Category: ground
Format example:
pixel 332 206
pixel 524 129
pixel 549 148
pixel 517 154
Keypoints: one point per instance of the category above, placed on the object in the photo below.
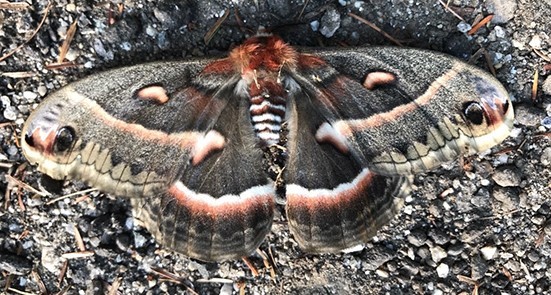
pixel 481 224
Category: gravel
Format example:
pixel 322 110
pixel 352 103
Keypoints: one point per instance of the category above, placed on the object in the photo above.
pixel 486 218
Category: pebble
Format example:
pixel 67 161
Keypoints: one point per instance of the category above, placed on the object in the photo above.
pixel 30 96
pixel 546 85
pixel 227 289
pixel 463 27
pixel 508 198
pixel 139 240
pixel 330 22
pixel 529 116
pixel 507 176
pixel 478 268
pixel 535 42
pixel 503 10
pixel 314 25
pixel 10 113
pixel 456 249
pixel 51 260
pixel 443 270
pixel 440 237
pixel 546 122
pixel 376 257
pixel 101 51
pixel 488 252
pixel 417 238
pixel 194 266
pixel 42 90
pixel 438 253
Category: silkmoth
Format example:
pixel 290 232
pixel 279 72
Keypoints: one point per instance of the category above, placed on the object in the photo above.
pixel 186 141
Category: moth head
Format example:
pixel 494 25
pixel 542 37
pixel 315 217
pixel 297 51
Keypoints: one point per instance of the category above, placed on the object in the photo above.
pixel 50 137
pixel 485 111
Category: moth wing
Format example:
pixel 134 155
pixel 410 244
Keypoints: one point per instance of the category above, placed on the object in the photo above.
pixel 403 111
pixel 332 201
pixel 174 138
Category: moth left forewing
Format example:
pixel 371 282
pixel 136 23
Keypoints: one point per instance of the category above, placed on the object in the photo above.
pixel 404 111
pixel 120 127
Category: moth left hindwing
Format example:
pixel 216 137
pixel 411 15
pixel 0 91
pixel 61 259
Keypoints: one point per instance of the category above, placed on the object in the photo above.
pixel 186 140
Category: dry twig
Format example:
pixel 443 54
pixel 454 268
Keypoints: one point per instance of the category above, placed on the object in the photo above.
pixel 214 29
pixel 31 37
pixel 480 24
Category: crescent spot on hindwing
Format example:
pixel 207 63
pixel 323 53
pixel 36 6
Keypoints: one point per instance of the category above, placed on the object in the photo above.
pixel 188 141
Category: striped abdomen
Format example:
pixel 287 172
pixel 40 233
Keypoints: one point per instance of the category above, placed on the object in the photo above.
pixel 267 113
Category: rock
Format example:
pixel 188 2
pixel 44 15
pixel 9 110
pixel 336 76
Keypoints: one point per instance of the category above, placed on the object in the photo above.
pixel 545 158
pixel 417 237
pixel 443 270
pixel 546 85
pixel 438 253
pixel 51 260
pixel 478 267
pixel 529 116
pixel 503 10
pixel 508 198
pixel 376 257
pixel 535 42
pixel 488 252
pixel 507 176
pixel 330 22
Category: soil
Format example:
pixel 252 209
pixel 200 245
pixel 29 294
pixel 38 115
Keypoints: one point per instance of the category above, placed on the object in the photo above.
pixel 482 224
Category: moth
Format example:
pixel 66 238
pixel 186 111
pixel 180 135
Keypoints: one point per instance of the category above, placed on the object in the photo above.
pixel 187 141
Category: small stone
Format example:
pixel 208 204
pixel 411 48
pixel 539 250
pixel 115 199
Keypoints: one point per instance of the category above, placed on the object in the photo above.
pixel 478 268
pixel 29 96
pixel 42 90
pixel 455 250
pixel 227 289
pixel 71 7
pixel 500 32
pixel 139 240
pixel 101 51
pixel 375 257
pixel 546 85
pixel 546 122
pixel 437 254
pixel 9 113
pixel 417 238
pixel 503 10
pixel 194 266
pixel 51 260
pixel 488 252
pixel 315 25
pixel 508 198
pixel 529 116
pixel 507 176
pixel 535 42
pixel 463 27
pixel 443 270
pixel 330 22
pixel 382 273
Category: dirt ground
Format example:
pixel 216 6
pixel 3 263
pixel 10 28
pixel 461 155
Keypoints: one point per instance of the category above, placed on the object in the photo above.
pixel 482 225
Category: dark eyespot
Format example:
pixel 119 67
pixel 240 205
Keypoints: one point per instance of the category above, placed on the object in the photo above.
pixel 474 112
pixel 506 107
pixel 29 139
pixel 64 139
